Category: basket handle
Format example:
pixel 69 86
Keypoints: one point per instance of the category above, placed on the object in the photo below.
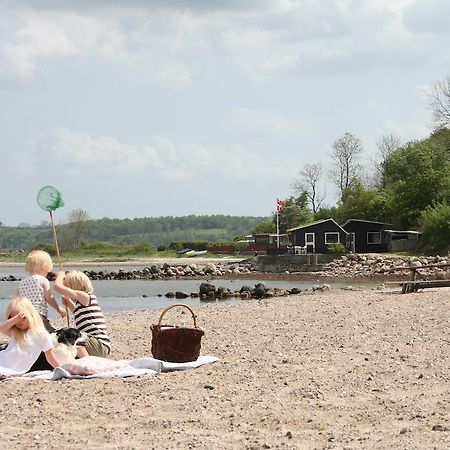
pixel 173 306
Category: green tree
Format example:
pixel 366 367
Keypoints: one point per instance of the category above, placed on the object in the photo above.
pixel 417 175
pixel 267 226
pixel 435 227
pixel 296 212
pixel 361 203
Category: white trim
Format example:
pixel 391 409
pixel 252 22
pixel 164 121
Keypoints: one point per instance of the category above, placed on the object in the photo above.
pixel 312 243
pixel 334 233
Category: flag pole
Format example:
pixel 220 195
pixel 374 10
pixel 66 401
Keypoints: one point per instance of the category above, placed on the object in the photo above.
pixel 278 228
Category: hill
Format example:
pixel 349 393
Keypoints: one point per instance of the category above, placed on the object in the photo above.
pixel 151 230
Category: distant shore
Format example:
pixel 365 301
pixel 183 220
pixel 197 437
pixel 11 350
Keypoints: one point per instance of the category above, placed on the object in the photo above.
pixel 133 261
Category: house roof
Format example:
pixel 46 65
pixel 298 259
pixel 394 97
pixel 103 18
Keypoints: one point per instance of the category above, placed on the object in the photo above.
pixel 269 234
pixel 365 221
pixel 316 223
pixel 402 231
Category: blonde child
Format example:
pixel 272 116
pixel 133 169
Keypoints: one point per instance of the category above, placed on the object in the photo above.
pixel 78 295
pixel 28 338
pixel 36 286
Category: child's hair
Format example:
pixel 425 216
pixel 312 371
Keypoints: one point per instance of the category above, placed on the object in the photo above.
pixel 23 305
pixel 78 281
pixel 38 260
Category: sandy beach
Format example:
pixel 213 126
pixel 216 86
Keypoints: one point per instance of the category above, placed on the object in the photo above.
pixel 337 369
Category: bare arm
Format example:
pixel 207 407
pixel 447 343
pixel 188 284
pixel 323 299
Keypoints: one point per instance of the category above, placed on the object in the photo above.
pixel 68 303
pixel 51 358
pixel 6 326
pixel 72 294
pixel 50 299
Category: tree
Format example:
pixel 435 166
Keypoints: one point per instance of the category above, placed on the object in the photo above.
pixel 265 227
pixel 345 155
pixel 308 183
pixel 439 95
pixel 295 213
pixel 435 225
pixel 79 222
pixel 386 144
pixel 361 203
pixel 417 175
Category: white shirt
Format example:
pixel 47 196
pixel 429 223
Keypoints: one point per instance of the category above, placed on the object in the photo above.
pixel 32 288
pixel 16 360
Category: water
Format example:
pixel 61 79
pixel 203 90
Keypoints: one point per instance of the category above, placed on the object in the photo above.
pixel 119 295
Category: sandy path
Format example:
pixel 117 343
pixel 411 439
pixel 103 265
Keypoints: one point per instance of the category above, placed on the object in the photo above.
pixel 339 369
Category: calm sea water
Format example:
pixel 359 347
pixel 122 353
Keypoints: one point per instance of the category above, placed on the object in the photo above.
pixel 122 295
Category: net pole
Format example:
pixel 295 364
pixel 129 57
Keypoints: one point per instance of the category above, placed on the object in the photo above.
pixel 55 240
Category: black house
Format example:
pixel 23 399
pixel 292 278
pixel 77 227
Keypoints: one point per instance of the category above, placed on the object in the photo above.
pixel 366 236
pixel 317 236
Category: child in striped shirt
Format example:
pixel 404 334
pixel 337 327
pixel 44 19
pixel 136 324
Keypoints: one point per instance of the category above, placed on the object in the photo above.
pixel 78 295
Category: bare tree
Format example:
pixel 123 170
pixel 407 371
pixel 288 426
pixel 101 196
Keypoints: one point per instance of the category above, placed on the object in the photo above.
pixel 345 156
pixel 439 95
pixel 386 144
pixel 78 221
pixel 308 183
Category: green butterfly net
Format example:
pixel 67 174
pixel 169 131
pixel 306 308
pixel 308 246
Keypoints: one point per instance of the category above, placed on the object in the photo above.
pixel 49 198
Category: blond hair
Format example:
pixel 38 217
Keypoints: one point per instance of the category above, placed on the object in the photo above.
pixel 37 261
pixel 78 281
pixel 23 305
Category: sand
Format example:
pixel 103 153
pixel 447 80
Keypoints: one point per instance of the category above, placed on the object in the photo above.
pixel 338 369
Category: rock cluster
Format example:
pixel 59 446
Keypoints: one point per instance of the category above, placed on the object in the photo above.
pixel 367 265
pixel 209 292
pixel 164 271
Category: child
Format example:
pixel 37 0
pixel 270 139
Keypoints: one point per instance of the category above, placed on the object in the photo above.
pixel 78 295
pixel 28 338
pixel 36 286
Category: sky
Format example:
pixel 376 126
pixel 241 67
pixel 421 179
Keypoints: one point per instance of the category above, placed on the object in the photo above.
pixel 168 108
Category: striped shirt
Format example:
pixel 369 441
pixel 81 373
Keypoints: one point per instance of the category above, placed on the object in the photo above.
pixel 90 320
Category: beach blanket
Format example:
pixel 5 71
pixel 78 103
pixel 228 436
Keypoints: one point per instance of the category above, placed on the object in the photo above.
pixel 121 368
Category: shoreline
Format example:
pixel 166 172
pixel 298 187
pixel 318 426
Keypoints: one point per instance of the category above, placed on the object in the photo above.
pixel 132 261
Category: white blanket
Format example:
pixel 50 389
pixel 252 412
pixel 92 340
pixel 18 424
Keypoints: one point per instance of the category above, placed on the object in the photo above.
pixel 125 368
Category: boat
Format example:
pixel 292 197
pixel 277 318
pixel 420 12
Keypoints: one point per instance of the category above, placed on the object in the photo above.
pixel 183 251
pixel 191 253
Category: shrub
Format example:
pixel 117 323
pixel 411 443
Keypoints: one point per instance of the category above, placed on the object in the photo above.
pixel 338 247
pixel 435 222
pixel 49 248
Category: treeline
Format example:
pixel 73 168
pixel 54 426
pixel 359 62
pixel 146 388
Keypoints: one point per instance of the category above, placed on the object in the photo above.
pixel 156 231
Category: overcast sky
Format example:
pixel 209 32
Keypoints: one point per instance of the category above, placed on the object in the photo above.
pixel 170 108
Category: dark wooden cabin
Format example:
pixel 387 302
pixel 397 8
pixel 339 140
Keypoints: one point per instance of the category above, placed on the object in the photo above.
pixel 366 236
pixel 317 236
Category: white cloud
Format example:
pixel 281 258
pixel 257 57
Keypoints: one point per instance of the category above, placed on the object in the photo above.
pixel 162 45
pixel 80 154
pixel 267 121
pixel 428 16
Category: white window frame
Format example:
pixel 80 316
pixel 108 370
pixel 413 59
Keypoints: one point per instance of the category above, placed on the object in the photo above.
pixel 310 240
pixel 332 233
pixel 374 233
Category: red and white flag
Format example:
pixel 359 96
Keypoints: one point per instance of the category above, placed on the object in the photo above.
pixel 280 206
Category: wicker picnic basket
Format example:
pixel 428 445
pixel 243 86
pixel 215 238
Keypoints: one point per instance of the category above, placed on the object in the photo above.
pixel 176 344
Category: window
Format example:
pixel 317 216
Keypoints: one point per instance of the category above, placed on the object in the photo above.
pixel 374 237
pixel 331 238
